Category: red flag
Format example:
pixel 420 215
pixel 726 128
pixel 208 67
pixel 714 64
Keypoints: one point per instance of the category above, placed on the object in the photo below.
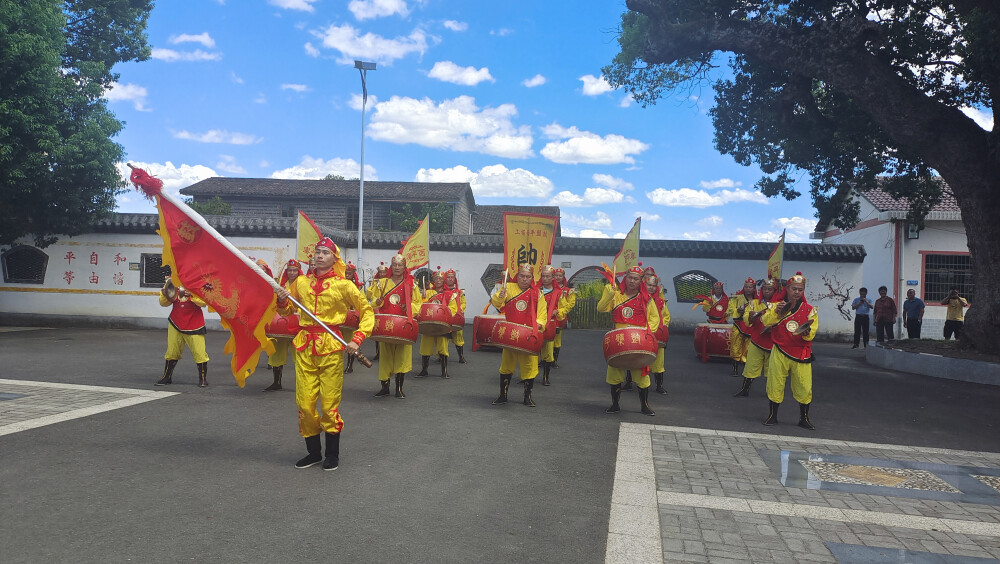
pixel 207 265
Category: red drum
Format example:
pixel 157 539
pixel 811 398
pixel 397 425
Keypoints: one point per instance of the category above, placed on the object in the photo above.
pixel 482 330
pixel 712 339
pixel 630 348
pixel 550 331
pixel 351 324
pixel 395 329
pixel 458 322
pixel 516 337
pixel 663 335
pixel 282 327
pixel 435 320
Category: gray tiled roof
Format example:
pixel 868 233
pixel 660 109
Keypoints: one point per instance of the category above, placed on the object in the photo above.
pixel 225 224
pixel 489 219
pixel 374 189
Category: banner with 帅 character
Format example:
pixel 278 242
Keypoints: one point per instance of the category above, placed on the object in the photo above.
pixel 416 248
pixel 307 235
pixel 628 256
pixel 528 238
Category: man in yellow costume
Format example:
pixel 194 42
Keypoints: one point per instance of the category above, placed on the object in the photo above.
pixel 569 294
pixel 279 358
pixel 556 305
pixel 631 306
pixel 396 295
pixel 656 292
pixel 319 358
pixel 739 335
pixel 457 336
pixel 761 343
pixel 793 324
pixel 520 303
pixel 431 344
pixel 186 328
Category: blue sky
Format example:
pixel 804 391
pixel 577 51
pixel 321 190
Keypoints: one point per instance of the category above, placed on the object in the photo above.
pixel 505 95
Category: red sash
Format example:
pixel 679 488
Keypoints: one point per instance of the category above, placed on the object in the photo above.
pixel 718 312
pixel 738 322
pixel 525 314
pixel 402 307
pixel 631 312
pixel 187 317
pixel 760 338
pixel 793 346
pixel 552 301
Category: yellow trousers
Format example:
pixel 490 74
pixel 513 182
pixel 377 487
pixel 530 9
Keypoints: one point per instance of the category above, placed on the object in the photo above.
pixel 428 345
pixel 280 356
pixel 394 359
pixel 548 352
pixel 176 341
pixel 319 378
pixel 756 362
pixel 458 337
pixel 558 342
pixel 738 345
pixel 617 376
pixel 779 367
pixel 657 365
pixel 509 360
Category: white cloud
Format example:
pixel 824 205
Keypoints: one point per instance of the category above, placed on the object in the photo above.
pixel 626 101
pixel 311 50
pixel 457 125
pixel 227 163
pixel 646 216
pixel 710 221
pixel 743 234
pixel 686 197
pixel 371 9
pixel 567 199
pixel 236 78
pixel 174 178
pixel 356 99
pixel 591 197
pixel 720 183
pixel 799 225
pixel 300 5
pixel 219 136
pixel 697 235
pixel 260 99
pixel 983 119
pixel 590 148
pixel 647 234
pixel 312 168
pixel 448 71
pixel 534 81
pixel 502 32
pixel 494 181
pixel 595 234
pixel 594 86
pixel 612 182
pixel 456 26
pixel 128 93
pixel 352 45
pixel 203 38
pixel 171 56
pixel 600 220
pixel 295 87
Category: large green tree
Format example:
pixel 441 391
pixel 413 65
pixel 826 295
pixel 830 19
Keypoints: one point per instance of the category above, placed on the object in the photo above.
pixel 846 91
pixel 57 159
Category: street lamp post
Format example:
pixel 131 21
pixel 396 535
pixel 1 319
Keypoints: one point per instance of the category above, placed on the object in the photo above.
pixel 363 68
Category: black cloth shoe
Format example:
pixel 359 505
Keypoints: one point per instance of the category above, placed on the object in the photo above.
pixel 424 361
pixel 444 365
pixel 644 402
pixel 399 386
pixel 659 383
pixel 168 373
pixel 202 374
pixel 616 393
pixel 628 381
pixel 745 390
pixel 384 390
pixel 804 421
pixel 461 353
pixel 277 379
pixel 555 357
pixel 546 366
pixel 332 460
pixel 504 384
pixel 772 416
pixel 315 455
pixel 528 385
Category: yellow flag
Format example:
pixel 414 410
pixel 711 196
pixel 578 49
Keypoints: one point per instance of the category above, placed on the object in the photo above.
pixel 416 248
pixel 629 255
pixel 307 235
pixel 528 238
pixel 774 261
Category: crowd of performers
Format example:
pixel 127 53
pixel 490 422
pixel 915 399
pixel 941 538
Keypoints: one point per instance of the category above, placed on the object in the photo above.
pixel 772 334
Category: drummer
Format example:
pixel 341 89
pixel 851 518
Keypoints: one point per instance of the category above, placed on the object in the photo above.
pixel 429 344
pixel 739 335
pixel 717 305
pixel 759 351
pixel 457 336
pixel 279 358
pixel 395 295
pixel 631 306
pixel 656 292
pixel 382 271
pixel 557 308
pixel 793 323
pixel 568 294
pixel 520 303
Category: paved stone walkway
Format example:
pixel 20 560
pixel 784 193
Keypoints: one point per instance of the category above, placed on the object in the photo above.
pixel 699 495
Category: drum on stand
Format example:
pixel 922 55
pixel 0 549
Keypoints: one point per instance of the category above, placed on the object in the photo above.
pixel 395 329
pixel 663 335
pixel 712 339
pixel 458 322
pixel 282 327
pixel 550 331
pixel 435 320
pixel 516 337
pixel 351 324
pixel 482 330
pixel 630 348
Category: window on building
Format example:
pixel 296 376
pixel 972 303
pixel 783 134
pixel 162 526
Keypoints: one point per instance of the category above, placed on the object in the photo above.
pixel 693 283
pixel 152 272
pixel 24 265
pixel 944 272
pixel 351 219
pixel 289 211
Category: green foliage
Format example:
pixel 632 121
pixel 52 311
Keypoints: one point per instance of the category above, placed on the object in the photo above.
pixel 405 217
pixel 334 177
pixel 592 289
pixel 215 206
pixel 57 160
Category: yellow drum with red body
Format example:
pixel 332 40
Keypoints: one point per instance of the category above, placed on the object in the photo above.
pixel 395 329
pixel 630 348
pixel 435 320
pixel 516 337
pixel 712 339
pixel 282 327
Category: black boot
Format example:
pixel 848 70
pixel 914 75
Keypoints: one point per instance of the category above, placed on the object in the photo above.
pixel 555 357
pixel 772 416
pixel 504 384
pixel 735 369
pixel 644 401
pixel 528 385
pixel 546 366
pixel 616 393
pixel 659 383
pixel 315 455
pixel 202 374
pixel 350 364
pixel 424 361
pixel 461 353
pixel 384 390
pixel 332 460
pixel 399 386
pixel 277 370
pixel 745 390
pixel 628 381
pixel 804 421
pixel 444 365
pixel 376 351
pixel 168 373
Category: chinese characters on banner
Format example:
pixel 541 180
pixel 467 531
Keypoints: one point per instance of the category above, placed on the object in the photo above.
pixel 416 247
pixel 528 238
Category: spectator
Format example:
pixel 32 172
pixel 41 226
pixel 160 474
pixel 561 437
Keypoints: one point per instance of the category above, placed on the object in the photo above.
pixel 955 318
pixel 885 316
pixel 913 314
pixel 862 307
